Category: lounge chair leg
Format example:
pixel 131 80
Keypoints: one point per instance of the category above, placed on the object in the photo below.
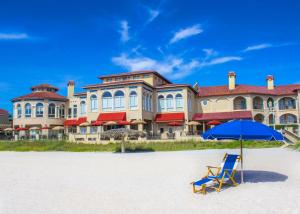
pixel 203 189
pixel 194 189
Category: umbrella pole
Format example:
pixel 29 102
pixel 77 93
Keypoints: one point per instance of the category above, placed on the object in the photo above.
pixel 242 158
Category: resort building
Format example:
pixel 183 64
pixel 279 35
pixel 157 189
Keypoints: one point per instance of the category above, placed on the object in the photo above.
pixel 39 111
pixel 148 102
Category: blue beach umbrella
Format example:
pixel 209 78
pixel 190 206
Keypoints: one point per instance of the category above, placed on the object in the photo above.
pixel 242 130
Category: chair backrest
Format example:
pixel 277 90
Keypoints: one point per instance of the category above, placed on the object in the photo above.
pixel 229 163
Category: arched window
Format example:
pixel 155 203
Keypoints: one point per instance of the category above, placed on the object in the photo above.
pixel 119 100
pixel 259 118
pixel 82 108
pixel 94 102
pixel 51 110
pixel 170 102
pixel 239 103
pixel 258 103
pixel 161 103
pixel 62 111
pixel 133 100
pixel 179 102
pixel 287 103
pixel 106 101
pixel 27 110
pixel 288 119
pixel 39 110
pixel 19 111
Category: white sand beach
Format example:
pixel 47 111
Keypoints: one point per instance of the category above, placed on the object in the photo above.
pixel 154 182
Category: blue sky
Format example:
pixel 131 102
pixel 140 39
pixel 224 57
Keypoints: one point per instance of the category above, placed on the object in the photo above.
pixel 187 41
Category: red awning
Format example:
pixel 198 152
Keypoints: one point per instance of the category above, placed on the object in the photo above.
pixel 116 116
pixel 175 124
pixel 70 122
pixel 124 123
pixel 223 115
pixel 81 120
pixel 169 117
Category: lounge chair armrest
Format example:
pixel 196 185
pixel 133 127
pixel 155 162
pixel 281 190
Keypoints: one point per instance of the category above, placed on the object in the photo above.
pixel 215 167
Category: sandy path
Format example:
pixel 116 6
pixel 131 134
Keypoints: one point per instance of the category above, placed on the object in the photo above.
pixel 55 182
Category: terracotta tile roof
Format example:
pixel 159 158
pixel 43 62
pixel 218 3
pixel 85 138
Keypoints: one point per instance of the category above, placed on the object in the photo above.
pixel 80 94
pixel 41 95
pixel 247 89
pixel 134 73
pixel 115 83
pixel 113 116
pixel 44 86
pixel 223 115
pixel 3 112
pixel 169 117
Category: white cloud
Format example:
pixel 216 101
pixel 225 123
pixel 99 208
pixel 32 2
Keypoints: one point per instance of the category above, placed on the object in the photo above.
pixel 221 60
pixel 186 32
pixel 13 36
pixel 153 14
pixel 171 66
pixel 258 47
pixel 124 31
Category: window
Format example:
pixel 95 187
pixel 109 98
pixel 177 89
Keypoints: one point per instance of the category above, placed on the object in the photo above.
pixel 27 110
pixel 161 103
pixel 189 103
pixel 119 100
pixel 82 108
pixel 51 110
pixel 75 111
pixel 150 104
pixel 94 102
pixel 179 102
pixel 287 103
pixel 82 130
pixel 133 100
pixel 170 102
pixel 62 111
pixel 19 111
pixel 39 110
pixel 93 129
pixel 239 103
pixel 258 103
pixel 70 113
pixel 106 101
pixel 288 119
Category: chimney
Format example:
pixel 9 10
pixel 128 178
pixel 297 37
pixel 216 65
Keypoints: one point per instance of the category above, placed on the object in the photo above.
pixel 71 86
pixel 270 82
pixel 196 86
pixel 231 80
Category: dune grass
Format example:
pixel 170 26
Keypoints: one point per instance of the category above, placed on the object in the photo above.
pixel 297 146
pixel 42 146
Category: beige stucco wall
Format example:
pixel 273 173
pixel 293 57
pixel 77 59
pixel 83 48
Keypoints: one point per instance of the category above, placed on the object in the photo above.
pixel 37 121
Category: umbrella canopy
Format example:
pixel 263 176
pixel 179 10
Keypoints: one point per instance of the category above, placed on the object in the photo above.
pixel 97 123
pixel 138 122
pixel 243 130
pixel 58 128
pixel 110 123
pixel 21 129
pixel 193 123
pixel 8 129
pixel 214 122
pixel 175 124
pixel 34 128
pixel 84 124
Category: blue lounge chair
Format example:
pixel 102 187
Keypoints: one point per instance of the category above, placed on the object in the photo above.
pixel 222 175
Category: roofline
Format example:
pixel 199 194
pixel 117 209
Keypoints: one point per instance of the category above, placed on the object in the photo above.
pixel 178 85
pixel 116 83
pixel 51 99
pixel 132 73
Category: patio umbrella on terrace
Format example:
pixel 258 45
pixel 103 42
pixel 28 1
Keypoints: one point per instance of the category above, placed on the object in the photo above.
pixel 9 130
pixel 213 123
pixel 84 124
pixel 58 128
pixel 243 130
pixel 108 123
pixel 34 128
pixel 138 122
pixel 175 124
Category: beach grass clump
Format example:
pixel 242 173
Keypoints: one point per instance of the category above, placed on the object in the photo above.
pixel 47 145
pixel 297 146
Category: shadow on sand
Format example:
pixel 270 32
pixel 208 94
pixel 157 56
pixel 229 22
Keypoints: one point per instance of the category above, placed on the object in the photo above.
pixel 255 176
